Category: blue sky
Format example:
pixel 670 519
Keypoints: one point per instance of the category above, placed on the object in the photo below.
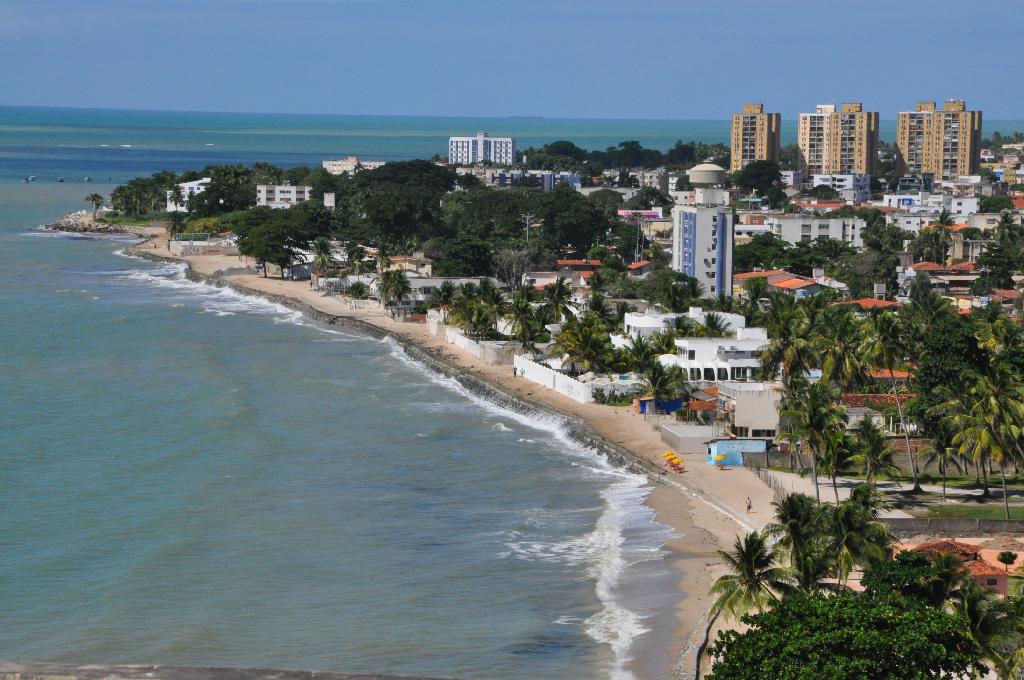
pixel 678 59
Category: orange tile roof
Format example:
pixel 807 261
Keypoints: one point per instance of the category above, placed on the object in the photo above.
pixel 1006 293
pixel 866 399
pixel 983 568
pixel 794 283
pixel 586 275
pixel 638 264
pixel 756 275
pixel 870 303
pixel 946 546
pixel 575 263
pixel 962 267
pixel 697 405
pixel 927 267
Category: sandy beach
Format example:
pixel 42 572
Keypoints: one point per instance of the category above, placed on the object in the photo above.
pixel 704 506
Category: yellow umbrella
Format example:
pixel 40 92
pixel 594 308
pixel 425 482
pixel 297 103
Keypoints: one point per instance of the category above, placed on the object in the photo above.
pixel 720 457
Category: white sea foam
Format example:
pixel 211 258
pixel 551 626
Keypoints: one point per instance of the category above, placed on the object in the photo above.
pixel 602 553
pixel 501 427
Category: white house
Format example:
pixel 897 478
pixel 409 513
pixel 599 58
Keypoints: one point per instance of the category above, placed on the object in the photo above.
pixel 636 325
pixel 800 227
pixel 282 195
pixel 924 202
pixel 187 190
pixel 719 359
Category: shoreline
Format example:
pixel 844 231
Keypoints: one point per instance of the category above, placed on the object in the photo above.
pixel 693 506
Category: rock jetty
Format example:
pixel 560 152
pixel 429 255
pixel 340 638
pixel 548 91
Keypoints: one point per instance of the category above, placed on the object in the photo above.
pixel 81 222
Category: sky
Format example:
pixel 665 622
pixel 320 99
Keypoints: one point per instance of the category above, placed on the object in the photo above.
pixel 670 59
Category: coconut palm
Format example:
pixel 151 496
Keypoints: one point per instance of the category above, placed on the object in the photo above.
pixel 619 313
pixel 990 622
pixel 839 349
pixel 394 287
pixel 857 538
pixel 836 456
pixel 754 580
pixel 443 296
pixel 526 321
pixel 871 451
pixel 885 344
pixel 381 260
pixel 96 201
pixel 354 255
pixel 942 452
pixel 663 383
pixel 323 257
pixel 817 419
pixel 714 326
pixel 798 524
pixel 640 353
pixel 358 291
pixel 585 342
pixel 790 348
pixel 558 294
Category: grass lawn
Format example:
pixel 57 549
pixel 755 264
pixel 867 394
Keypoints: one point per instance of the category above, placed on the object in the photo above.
pixel 991 510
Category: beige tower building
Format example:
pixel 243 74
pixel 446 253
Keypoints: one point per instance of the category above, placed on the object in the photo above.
pixel 838 142
pixel 945 143
pixel 756 136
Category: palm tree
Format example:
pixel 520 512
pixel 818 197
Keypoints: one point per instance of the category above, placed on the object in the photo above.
pixel 381 260
pixel 358 291
pixel 586 343
pixel 755 579
pixel 839 349
pixel 885 344
pixel 817 419
pixel 443 296
pixel 394 287
pixel 558 293
pixel 942 451
pixel 323 258
pixel 640 353
pixel 872 453
pixel 663 383
pixel 943 222
pixel 354 255
pixel 526 323
pixel 798 524
pixel 990 621
pixel 836 456
pixel 857 538
pixel 714 326
pixel 790 349
pixel 754 582
pixel 96 201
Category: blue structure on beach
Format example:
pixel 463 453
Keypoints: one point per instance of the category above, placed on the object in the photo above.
pixel 732 450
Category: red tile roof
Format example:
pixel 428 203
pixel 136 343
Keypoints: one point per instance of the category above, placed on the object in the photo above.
pixel 870 400
pixel 942 547
pixel 927 267
pixel 962 267
pixel 756 275
pixel 870 303
pixel 578 263
pixel 794 283
pixel 639 264
pixel 1006 293
pixel 982 568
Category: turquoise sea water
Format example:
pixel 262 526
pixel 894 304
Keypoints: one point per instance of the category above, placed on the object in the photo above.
pixel 75 143
pixel 193 476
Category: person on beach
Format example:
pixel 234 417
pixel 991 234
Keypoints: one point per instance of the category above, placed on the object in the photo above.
pixel 750 505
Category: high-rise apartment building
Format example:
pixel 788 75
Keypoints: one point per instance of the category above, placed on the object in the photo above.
pixel 838 142
pixel 702 242
pixel 945 144
pixel 756 136
pixel 481 148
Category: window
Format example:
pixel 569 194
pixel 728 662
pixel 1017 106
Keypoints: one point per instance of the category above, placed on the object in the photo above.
pixel 709 374
pixel 691 354
pixel 723 374
pixel 990 582
pixel 694 374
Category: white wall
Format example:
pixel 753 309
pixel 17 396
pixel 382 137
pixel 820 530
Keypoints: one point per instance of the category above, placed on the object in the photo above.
pixel 552 379
pixel 454 337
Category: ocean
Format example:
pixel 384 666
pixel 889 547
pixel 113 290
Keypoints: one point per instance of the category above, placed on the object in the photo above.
pixel 198 477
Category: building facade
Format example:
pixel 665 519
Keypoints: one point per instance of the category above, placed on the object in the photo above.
pixel 838 142
pixel 481 148
pixel 702 245
pixel 851 188
pixel 945 144
pixel 186 190
pixel 797 228
pixel 351 165
pixel 281 196
pixel 756 136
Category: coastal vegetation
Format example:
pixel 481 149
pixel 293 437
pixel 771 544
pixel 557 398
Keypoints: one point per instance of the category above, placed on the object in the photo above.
pixel 917 615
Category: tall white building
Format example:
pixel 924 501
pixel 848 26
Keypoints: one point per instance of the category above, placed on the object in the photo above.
pixel 281 196
pixel 480 148
pixel 799 227
pixel 187 191
pixel 702 241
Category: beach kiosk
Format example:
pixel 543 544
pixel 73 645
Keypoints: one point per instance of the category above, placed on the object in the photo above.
pixel 729 452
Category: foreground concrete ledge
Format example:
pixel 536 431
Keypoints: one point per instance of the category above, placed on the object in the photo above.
pixel 57 671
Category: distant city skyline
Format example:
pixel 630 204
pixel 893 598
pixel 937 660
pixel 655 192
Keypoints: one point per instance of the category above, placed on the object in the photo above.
pixel 652 59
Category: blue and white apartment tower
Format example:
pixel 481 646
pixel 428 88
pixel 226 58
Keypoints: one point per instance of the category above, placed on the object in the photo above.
pixel 702 239
pixel 702 233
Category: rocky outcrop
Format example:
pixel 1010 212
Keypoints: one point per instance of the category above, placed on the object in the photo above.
pixel 82 222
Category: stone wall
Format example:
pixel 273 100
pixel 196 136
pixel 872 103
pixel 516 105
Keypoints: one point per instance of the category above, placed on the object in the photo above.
pixel 905 527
